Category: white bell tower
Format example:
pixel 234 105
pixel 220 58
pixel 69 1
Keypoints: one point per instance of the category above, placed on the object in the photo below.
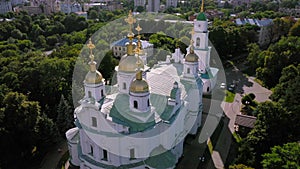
pixel 200 39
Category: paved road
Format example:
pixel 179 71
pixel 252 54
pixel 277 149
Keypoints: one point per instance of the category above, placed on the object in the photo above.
pixel 52 158
pixel 245 85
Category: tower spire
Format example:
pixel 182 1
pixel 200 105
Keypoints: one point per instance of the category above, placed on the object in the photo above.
pixel 202 6
pixel 191 41
pixel 130 20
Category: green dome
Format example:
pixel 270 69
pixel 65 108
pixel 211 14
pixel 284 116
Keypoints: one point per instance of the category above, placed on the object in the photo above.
pixel 201 17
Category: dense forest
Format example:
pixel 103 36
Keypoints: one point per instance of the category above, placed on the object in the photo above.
pixel 273 142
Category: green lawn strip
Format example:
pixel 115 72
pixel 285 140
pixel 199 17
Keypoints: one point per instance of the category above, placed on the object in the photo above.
pixel 229 96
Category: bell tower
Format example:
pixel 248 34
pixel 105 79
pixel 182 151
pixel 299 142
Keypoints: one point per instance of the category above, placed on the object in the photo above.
pixel 200 39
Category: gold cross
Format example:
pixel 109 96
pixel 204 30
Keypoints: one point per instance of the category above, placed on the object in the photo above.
pixel 192 32
pixel 138 29
pixel 91 46
pixel 130 20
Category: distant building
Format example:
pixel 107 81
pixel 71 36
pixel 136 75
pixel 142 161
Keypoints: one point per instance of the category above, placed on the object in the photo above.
pixel 264 34
pixel 104 5
pixel 171 3
pixel 153 5
pixel 295 12
pixel 17 2
pixel 5 6
pixel 70 7
pixel 235 3
pixel 114 5
pixel 139 3
pixel 41 6
pixel 83 14
pixel 32 10
pixel 119 47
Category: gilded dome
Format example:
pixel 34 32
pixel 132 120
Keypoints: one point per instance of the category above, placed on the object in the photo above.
pixel 191 57
pixel 93 77
pixel 139 85
pixel 128 63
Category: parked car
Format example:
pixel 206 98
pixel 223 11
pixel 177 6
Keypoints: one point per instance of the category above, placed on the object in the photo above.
pixel 231 87
pixel 223 86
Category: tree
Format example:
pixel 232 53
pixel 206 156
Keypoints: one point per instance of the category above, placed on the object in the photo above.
pixel 93 14
pixel 65 118
pixel 107 65
pixel 295 29
pixel 239 166
pixel 253 58
pixel 18 134
pixel 140 9
pixel 286 157
pixel 272 128
pixel 277 57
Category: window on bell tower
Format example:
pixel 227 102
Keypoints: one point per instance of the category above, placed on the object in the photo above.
pixel 188 70
pixel 135 104
pixel 198 42
pixel 124 86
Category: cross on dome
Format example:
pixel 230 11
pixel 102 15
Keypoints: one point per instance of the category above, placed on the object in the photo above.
pixel 91 46
pixel 130 20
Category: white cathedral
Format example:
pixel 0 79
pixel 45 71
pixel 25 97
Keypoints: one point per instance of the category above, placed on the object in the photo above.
pixel 143 120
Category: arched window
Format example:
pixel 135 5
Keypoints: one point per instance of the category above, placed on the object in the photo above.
pixel 124 86
pixel 198 42
pixel 188 71
pixel 148 103
pixel 89 94
pixel 135 104
pixel 207 89
pixel 102 93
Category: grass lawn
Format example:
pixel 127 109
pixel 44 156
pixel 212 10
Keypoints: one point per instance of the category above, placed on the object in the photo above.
pixel 210 146
pixel 229 96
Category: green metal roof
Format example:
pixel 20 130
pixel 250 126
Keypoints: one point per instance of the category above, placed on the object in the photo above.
pixel 127 117
pixel 173 93
pixel 201 17
pixel 161 158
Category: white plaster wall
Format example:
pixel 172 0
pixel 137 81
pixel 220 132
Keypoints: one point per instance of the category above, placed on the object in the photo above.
pixel 95 90
pixel 142 99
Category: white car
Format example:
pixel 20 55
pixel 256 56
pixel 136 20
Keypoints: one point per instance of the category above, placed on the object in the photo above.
pixel 223 86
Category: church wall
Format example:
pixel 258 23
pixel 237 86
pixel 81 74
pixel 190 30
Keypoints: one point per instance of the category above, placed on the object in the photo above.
pixel 124 78
pixel 95 90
